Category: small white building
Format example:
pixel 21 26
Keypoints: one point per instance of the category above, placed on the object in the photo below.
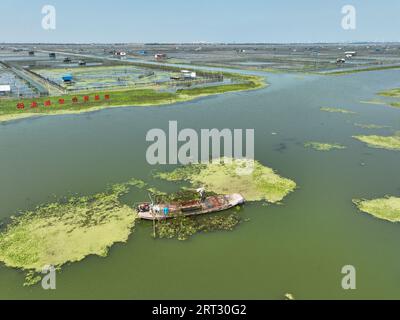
pixel 186 74
pixel 5 89
pixel 350 53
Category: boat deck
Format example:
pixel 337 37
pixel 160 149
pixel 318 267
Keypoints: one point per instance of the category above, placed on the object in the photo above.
pixel 193 208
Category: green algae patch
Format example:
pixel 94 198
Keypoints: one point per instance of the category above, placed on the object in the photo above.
pixel 386 208
pixel 337 110
pixel 182 228
pixel 381 142
pixel 318 146
pixel 226 176
pixel 67 231
pixel 370 126
pixel 393 93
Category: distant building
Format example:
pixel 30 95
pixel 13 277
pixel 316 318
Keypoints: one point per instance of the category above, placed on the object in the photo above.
pixel 160 56
pixel 67 78
pixel 186 74
pixel 5 89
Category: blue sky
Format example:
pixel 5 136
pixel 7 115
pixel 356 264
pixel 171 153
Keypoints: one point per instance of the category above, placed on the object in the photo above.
pixel 201 20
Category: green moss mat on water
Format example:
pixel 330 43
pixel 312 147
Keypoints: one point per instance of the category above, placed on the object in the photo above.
pixel 386 208
pixel 394 93
pixel 318 146
pixel 381 142
pixel 395 104
pixel 337 110
pixel 370 126
pixel 344 72
pixel 67 231
pixel 226 176
pixel 376 102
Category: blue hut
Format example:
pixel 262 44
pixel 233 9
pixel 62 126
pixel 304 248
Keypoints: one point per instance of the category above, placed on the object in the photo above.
pixel 67 78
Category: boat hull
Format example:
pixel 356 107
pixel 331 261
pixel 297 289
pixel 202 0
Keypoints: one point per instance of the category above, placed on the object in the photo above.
pixel 195 208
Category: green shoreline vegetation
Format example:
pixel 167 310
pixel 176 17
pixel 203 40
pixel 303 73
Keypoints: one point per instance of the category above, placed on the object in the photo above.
pixel 337 110
pixel 318 146
pixel 381 142
pixel 120 98
pixel 387 208
pixel 224 176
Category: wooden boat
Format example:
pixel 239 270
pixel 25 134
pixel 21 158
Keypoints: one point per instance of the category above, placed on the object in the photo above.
pixel 148 211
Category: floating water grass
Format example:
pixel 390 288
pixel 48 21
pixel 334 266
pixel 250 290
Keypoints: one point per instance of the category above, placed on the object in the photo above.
pixel 381 142
pixel 67 231
pixel 182 228
pixel 146 96
pixel 370 126
pixel 337 110
pixel 324 146
pixel 386 208
pixel 225 176
pixel 289 296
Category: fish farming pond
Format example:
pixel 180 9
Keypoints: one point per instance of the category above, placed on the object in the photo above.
pixel 19 87
pixel 120 76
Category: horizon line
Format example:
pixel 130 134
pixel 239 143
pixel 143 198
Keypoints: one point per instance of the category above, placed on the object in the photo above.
pixel 197 43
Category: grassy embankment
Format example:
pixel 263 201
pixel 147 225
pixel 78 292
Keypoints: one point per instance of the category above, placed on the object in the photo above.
pixel 120 98
pixel 344 72
pixel 320 146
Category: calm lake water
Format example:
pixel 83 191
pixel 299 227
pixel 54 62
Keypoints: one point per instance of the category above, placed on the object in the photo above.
pixel 298 247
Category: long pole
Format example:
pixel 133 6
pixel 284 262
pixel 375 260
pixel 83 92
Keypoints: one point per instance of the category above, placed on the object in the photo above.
pixel 154 227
